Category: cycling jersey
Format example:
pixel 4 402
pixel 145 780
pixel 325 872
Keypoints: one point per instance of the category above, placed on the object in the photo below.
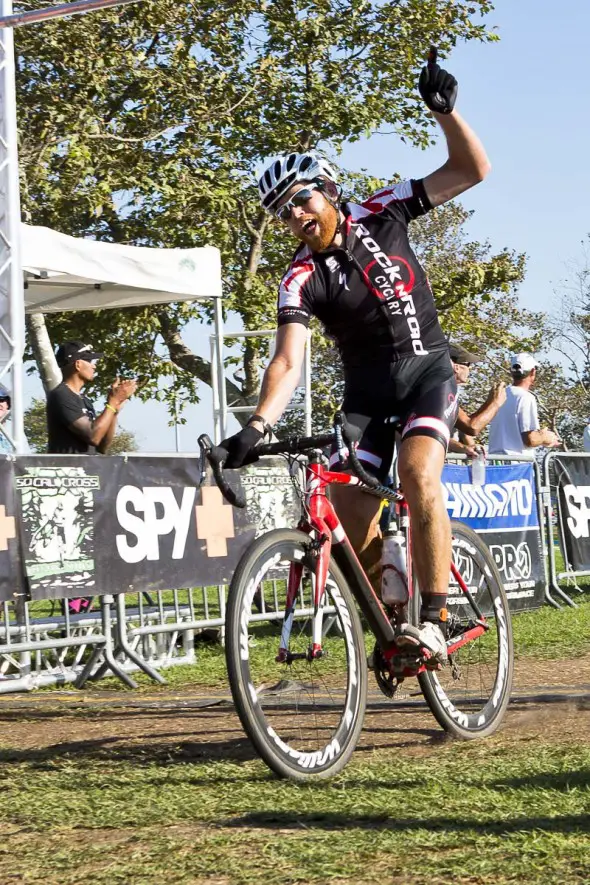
pixel 371 295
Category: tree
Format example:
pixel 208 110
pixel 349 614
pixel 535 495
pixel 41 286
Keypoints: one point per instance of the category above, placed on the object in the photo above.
pixel 36 426
pixel 571 320
pixel 565 390
pixel 143 125
pixel 124 441
pixel 36 432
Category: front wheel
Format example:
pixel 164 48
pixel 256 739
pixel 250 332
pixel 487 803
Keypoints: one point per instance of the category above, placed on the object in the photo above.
pixel 469 696
pixel 303 714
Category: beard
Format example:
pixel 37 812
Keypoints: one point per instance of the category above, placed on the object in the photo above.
pixel 327 223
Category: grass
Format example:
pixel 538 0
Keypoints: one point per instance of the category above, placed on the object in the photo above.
pixel 174 808
pixel 466 813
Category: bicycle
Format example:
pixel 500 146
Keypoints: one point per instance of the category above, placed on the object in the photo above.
pixel 300 686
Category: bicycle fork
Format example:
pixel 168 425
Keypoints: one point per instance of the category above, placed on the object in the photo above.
pixel 318 582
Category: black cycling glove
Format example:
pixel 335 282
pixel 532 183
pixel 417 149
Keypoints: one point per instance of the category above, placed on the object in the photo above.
pixel 241 447
pixel 438 88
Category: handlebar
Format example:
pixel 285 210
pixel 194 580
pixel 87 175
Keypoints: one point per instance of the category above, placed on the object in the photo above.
pixel 294 445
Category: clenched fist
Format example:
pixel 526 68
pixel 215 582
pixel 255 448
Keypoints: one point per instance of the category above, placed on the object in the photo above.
pixel 437 87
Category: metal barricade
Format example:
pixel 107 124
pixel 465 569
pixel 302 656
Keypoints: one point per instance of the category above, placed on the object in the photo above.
pixel 555 518
pixel 151 631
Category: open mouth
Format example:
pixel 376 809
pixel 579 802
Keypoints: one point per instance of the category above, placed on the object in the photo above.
pixel 310 226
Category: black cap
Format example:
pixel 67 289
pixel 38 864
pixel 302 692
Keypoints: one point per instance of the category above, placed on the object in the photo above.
pixel 71 351
pixel 459 354
pixel 4 395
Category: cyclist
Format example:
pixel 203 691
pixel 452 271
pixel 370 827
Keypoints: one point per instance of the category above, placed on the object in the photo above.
pixel 355 270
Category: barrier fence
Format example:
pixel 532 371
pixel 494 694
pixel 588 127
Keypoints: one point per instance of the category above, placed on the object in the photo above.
pixel 123 530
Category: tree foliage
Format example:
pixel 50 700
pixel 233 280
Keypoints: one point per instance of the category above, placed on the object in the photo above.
pixel 144 124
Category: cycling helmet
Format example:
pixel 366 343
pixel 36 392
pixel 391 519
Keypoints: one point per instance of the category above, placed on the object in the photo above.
pixel 285 171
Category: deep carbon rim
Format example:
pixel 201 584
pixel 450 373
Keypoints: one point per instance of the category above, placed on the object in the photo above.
pixel 305 714
pixel 472 691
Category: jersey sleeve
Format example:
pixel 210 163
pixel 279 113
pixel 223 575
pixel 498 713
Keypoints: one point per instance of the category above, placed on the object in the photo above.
pixel 403 201
pixel 295 301
pixel 65 408
pixel 526 415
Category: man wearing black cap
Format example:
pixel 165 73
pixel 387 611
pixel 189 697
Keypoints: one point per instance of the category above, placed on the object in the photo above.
pixel 471 426
pixel 72 424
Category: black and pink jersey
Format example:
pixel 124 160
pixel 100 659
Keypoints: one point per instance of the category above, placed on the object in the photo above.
pixel 371 295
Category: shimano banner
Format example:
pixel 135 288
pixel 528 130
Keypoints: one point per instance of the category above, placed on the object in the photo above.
pixel 505 511
pixel 92 525
pixel 572 475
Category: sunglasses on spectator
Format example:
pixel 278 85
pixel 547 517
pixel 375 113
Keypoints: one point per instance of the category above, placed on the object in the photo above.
pixel 298 199
pixel 464 364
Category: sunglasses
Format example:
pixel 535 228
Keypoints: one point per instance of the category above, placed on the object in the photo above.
pixel 464 364
pixel 298 199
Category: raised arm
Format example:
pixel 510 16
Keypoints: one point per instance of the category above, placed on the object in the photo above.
pixel 474 424
pixel 467 164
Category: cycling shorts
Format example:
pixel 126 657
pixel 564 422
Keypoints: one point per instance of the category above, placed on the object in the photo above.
pixel 413 396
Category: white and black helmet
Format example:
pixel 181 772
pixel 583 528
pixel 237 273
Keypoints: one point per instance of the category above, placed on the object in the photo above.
pixel 285 171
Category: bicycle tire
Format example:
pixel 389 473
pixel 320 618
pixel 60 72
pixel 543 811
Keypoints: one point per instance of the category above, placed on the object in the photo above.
pixel 275 716
pixel 469 696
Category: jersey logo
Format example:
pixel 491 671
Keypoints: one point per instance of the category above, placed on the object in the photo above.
pixel 392 279
pixel 332 264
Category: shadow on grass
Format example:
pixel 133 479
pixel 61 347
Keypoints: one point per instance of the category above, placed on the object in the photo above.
pixel 564 782
pixel 118 750
pixel 334 821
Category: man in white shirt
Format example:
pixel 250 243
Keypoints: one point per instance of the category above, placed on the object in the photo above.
pixel 516 426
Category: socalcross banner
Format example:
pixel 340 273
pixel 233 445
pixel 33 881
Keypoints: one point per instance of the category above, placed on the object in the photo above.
pixel 504 510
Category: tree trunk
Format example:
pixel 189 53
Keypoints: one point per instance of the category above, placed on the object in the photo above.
pixel 43 351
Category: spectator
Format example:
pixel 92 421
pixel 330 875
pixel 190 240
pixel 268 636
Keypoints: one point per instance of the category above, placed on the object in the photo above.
pixel 6 447
pixel 470 426
pixel 516 426
pixel 586 437
pixel 72 424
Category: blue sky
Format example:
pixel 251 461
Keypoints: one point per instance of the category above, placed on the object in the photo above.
pixel 527 98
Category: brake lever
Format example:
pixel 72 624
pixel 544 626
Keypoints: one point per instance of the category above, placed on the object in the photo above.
pixel 206 446
pixel 208 451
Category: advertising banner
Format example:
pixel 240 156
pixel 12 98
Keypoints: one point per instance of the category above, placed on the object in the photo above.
pixel 93 525
pixel 572 475
pixel 504 510
pixel 10 573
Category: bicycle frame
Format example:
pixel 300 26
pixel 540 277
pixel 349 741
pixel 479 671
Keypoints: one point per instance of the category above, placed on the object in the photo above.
pixel 321 523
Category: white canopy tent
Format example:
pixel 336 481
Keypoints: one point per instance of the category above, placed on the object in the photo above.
pixel 66 273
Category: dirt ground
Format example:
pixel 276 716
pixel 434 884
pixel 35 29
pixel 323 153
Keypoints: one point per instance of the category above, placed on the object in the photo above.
pixel 550 699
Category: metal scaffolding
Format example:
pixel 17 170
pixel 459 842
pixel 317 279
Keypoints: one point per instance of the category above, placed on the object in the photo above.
pixel 12 316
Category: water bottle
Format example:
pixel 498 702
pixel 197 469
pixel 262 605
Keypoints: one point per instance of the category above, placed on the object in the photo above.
pixel 478 469
pixel 394 577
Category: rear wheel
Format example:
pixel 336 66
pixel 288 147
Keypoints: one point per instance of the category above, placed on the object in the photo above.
pixel 303 715
pixel 469 696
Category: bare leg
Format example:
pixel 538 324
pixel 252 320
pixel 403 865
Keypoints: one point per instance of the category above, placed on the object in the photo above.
pixel 420 465
pixel 359 514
